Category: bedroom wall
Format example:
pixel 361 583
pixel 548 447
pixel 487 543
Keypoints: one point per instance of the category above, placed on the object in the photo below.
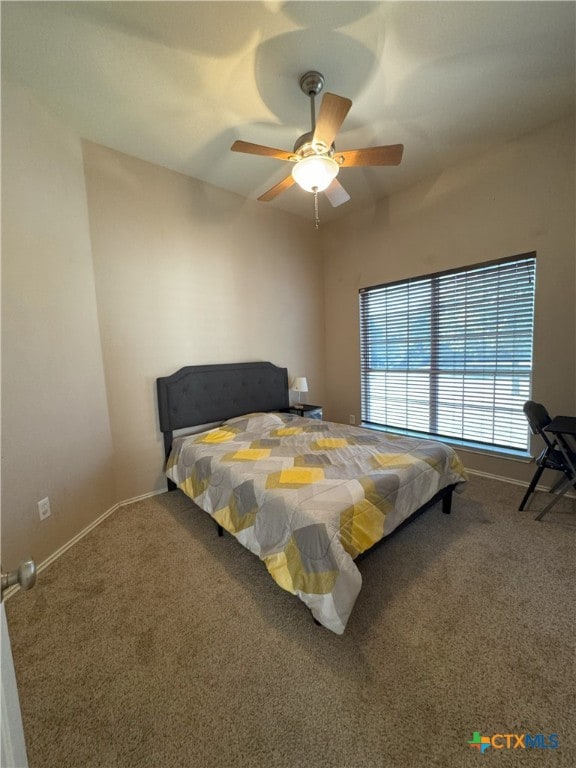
pixel 56 438
pixel 517 198
pixel 189 274
pixel 171 272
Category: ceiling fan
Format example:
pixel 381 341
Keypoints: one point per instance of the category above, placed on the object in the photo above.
pixel 315 159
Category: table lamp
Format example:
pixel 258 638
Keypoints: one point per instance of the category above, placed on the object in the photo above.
pixel 300 384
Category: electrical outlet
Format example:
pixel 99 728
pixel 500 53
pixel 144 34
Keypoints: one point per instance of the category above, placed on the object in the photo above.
pixel 352 419
pixel 44 508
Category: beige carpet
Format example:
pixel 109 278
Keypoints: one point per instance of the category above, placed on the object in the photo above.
pixel 155 643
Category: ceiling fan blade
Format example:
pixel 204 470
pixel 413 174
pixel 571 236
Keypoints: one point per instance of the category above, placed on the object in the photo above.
pixel 391 155
pixel 336 194
pixel 333 111
pixel 260 149
pixel 275 190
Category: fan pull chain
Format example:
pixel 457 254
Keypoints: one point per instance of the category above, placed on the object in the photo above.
pixel 316 217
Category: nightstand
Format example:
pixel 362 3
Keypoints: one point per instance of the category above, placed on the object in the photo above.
pixel 310 411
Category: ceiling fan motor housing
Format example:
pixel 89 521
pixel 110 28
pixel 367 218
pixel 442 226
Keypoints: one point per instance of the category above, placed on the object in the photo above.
pixel 305 146
pixel 312 83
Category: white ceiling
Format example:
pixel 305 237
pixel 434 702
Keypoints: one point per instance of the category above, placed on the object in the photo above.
pixel 175 83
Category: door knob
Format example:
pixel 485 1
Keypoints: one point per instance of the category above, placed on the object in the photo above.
pixel 25 575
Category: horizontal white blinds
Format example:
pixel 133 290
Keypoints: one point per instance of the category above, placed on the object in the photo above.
pixel 450 354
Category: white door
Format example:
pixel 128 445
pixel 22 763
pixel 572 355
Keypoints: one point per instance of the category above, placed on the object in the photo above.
pixel 13 747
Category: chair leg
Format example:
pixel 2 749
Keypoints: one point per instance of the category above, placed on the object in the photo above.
pixel 556 498
pixel 561 480
pixel 562 488
pixel 531 487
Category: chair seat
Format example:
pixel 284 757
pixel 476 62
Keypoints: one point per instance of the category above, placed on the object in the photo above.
pixel 553 458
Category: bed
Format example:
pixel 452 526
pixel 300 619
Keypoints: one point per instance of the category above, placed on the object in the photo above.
pixel 306 496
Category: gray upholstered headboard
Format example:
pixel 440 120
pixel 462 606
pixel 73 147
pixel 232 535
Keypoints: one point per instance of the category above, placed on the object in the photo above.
pixel 202 394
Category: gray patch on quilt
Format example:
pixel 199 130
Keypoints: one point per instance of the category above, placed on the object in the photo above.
pixel 203 468
pixel 365 440
pixel 313 460
pixel 272 524
pixel 245 498
pixel 385 486
pixel 313 545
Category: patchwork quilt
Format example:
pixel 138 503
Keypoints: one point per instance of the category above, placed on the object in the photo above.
pixel 308 496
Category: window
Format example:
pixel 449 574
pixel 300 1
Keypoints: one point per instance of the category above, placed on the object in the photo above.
pixel 450 354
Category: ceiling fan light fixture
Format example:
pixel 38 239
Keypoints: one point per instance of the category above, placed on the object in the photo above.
pixel 315 173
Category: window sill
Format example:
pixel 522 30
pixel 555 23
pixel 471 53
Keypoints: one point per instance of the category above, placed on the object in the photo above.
pixel 481 448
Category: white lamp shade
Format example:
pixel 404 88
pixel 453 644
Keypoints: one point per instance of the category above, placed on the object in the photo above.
pixel 300 384
pixel 315 172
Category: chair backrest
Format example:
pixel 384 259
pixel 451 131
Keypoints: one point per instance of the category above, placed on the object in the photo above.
pixel 538 418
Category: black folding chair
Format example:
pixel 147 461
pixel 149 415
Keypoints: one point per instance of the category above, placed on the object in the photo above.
pixel 559 458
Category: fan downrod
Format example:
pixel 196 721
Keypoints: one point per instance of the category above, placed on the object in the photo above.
pixel 311 84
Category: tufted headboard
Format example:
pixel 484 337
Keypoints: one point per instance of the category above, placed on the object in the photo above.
pixel 203 394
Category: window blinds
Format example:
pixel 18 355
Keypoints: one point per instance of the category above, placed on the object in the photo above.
pixel 450 354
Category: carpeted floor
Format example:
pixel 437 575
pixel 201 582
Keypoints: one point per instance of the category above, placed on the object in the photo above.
pixel 154 643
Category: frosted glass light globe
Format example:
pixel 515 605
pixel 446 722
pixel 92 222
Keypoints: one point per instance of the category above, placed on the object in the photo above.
pixel 315 171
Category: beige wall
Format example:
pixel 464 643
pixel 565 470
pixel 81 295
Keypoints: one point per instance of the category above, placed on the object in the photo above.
pixel 514 199
pixel 56 439
pixel 187 274
pixel 162 271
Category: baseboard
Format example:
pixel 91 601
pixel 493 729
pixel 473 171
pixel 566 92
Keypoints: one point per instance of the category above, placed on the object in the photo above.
pixel 523 483
pixel 75 539
pixel 502 479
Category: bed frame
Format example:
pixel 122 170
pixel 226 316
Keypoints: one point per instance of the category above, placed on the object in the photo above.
pixel 205 394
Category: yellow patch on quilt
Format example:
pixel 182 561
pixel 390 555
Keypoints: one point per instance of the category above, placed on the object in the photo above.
pixel 172 460
pixel 229 519
pixel 285 431
pixel 216 436
pixel 278 568
pixel 361 526
pixel 222 517
pixel 294 477
pixel 288 571
pixel 327 443
pixel 457 466
pixel 248 454
pixel 192 488
pixel 393 460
